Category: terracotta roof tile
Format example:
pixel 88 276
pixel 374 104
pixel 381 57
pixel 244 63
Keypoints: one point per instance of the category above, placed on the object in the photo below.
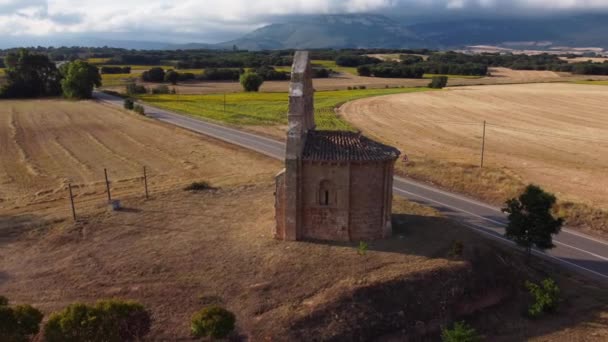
pixel 345 146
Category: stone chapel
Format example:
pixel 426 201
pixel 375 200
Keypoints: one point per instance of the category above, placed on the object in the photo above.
pixel 336 185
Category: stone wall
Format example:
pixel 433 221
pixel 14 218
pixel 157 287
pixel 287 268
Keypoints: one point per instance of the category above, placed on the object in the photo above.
pixel 368 201
pixel 320 221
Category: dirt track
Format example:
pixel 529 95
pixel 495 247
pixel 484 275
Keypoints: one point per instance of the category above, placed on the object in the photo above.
pixel 46 144
pixel 551 134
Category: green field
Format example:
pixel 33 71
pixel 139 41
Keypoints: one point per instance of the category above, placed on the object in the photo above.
pixel 265 108
pixel 115 80
pixel 592 82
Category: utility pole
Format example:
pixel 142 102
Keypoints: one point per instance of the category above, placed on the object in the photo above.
pixel 146 182
pixel 105 171
pixel 483 142
pixel 72 201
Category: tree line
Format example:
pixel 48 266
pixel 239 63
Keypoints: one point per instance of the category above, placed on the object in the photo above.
pixel 31 75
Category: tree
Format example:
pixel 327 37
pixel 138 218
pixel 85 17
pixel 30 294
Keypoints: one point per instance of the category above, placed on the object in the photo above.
pixel 30 75
pixel 172 77
pixel 80 78
pixel 530 220
pixel 438 82
pixel 251 81
pixel 156 75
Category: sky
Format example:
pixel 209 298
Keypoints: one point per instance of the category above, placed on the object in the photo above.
pixel 24 21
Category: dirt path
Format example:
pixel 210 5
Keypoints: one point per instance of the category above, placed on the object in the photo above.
pixel 552 134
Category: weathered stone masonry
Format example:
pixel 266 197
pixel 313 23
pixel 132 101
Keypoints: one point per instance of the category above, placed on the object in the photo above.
pixel 336 185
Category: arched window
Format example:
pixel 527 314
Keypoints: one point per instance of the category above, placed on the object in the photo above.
pixel 327 193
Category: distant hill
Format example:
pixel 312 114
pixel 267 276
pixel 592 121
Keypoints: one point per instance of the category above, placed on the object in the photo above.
pixel 377 31
pixel 331 31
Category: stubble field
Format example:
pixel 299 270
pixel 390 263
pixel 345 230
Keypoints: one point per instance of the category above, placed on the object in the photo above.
pixel 554 135
pixel 47 144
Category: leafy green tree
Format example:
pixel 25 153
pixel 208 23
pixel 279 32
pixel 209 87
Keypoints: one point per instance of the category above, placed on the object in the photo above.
pixel 156 75
pixel 18 323
pixel 30 75
pixel 172 77
pixel 461 332
pixel 438 82
pixel 251 81
pixel 214 321
pixel 530 220
pixel 80 78
pixel 128 104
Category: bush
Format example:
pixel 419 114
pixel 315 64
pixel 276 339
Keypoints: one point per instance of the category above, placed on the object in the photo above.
pixel 251 81
pixel 156 75
pixel 134 89
pixel 198 186
pixel 128 104
pixel 139 109
pixel 438 82
pixel 461 332
pixel 214 321
pixel 18 323
pixel 110 320
pixel 456 249
pixel 161 89
pixel 363 247
pixel 115 70
pixel 546 297
pixel 362 87
pixel 221 75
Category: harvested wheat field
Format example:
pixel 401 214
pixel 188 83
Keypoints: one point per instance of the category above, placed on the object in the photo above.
pixel 181 251
pixel 46 144
pixel 555 135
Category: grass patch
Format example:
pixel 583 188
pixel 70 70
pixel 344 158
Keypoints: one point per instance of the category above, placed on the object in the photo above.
pixel 1 71
pixel 265 108
pixel 116 80
pixel 592 82
pixel 98 61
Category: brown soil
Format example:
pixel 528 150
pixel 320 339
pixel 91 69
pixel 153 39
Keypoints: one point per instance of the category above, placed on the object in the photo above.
pixel 46 144
pixel 550 134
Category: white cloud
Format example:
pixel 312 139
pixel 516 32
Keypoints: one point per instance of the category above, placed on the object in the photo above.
pixel 39 17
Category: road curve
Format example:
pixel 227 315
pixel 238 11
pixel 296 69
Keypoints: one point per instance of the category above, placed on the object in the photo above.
pixel 576 251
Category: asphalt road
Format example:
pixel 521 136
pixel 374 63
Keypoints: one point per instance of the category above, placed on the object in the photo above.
pixel 574 250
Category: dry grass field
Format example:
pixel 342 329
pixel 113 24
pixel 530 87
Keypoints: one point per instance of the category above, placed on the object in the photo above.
pixel 180 251
pixel 554 135
pixel 46 144
pixel 344 80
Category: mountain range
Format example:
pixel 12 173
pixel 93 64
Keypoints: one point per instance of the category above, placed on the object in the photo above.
pixel 379 31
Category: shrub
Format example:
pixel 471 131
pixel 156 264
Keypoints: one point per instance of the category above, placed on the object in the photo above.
pixel 349 88
pixel 110 320
pixel 161 89
pixel 251 81
pixel 438 82
pixel 456 249
pixel 18 323
pixel 139 109
pixel 115 70
pixel 362 249
pixel 213 74
pixel 198 186
pixel 134 89
pixel 362 87
pixel 128 104
pixel 214 321
pixel 546 297
pixel 461 332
